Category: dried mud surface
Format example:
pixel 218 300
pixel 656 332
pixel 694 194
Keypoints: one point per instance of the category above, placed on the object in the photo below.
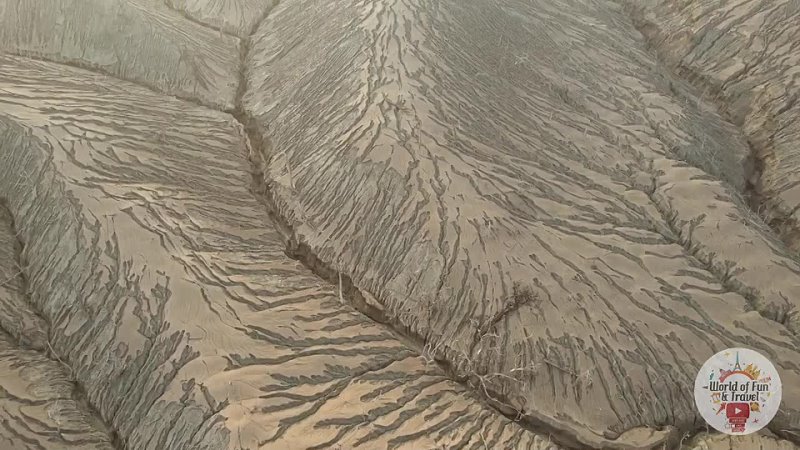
pixel 533 221
pixel 169 292
pixel 40 407
pixel 16 317
pixel 236 17
pixel 376 224
pixel 138 40
pixel 745 55
pixel 749 442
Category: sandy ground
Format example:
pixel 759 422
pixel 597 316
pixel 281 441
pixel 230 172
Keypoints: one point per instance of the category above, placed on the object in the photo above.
pixel 373 224
pixel 170 294
pixel 744 56
pixel 40 406
pixel 520 185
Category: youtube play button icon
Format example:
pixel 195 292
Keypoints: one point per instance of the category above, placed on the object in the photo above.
pixel 737 391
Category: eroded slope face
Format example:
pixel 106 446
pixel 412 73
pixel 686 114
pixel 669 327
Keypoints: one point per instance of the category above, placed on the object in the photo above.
pixel 16 317
pixel 169 292
pixel 745 55
pixel 503 177
pixel 237 17
pixel 705 441
pixel 139 40
pixel 39 408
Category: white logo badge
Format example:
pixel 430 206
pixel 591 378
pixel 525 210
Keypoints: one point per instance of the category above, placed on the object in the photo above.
pixel 737 391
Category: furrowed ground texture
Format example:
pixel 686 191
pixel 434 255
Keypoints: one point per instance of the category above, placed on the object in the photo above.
pixel 138 40
pixel 39 405
pixel 518 188
pixel 746 56
pixel 169 292
pixel 236 17
pixel 512 182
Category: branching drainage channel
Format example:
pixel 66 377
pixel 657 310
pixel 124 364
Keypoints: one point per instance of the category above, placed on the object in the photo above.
pixel 24 325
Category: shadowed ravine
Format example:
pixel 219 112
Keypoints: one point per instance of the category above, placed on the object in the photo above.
pixel 377 224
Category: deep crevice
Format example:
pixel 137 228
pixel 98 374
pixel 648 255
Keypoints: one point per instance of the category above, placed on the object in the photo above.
pixel 356 298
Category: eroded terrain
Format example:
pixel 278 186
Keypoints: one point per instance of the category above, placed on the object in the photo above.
pixel 40 406
pixel 171 296
pixel 539 226
pixel 745 57
pixel 373 224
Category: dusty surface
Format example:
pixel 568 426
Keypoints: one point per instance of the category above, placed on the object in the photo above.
pixel 170 294
pixel 16 318
pixel 39 408
pixel 526 217
pixel 236 17
pixel 745 55
pixel 141 40
pixel 518 190
pixel 39 405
